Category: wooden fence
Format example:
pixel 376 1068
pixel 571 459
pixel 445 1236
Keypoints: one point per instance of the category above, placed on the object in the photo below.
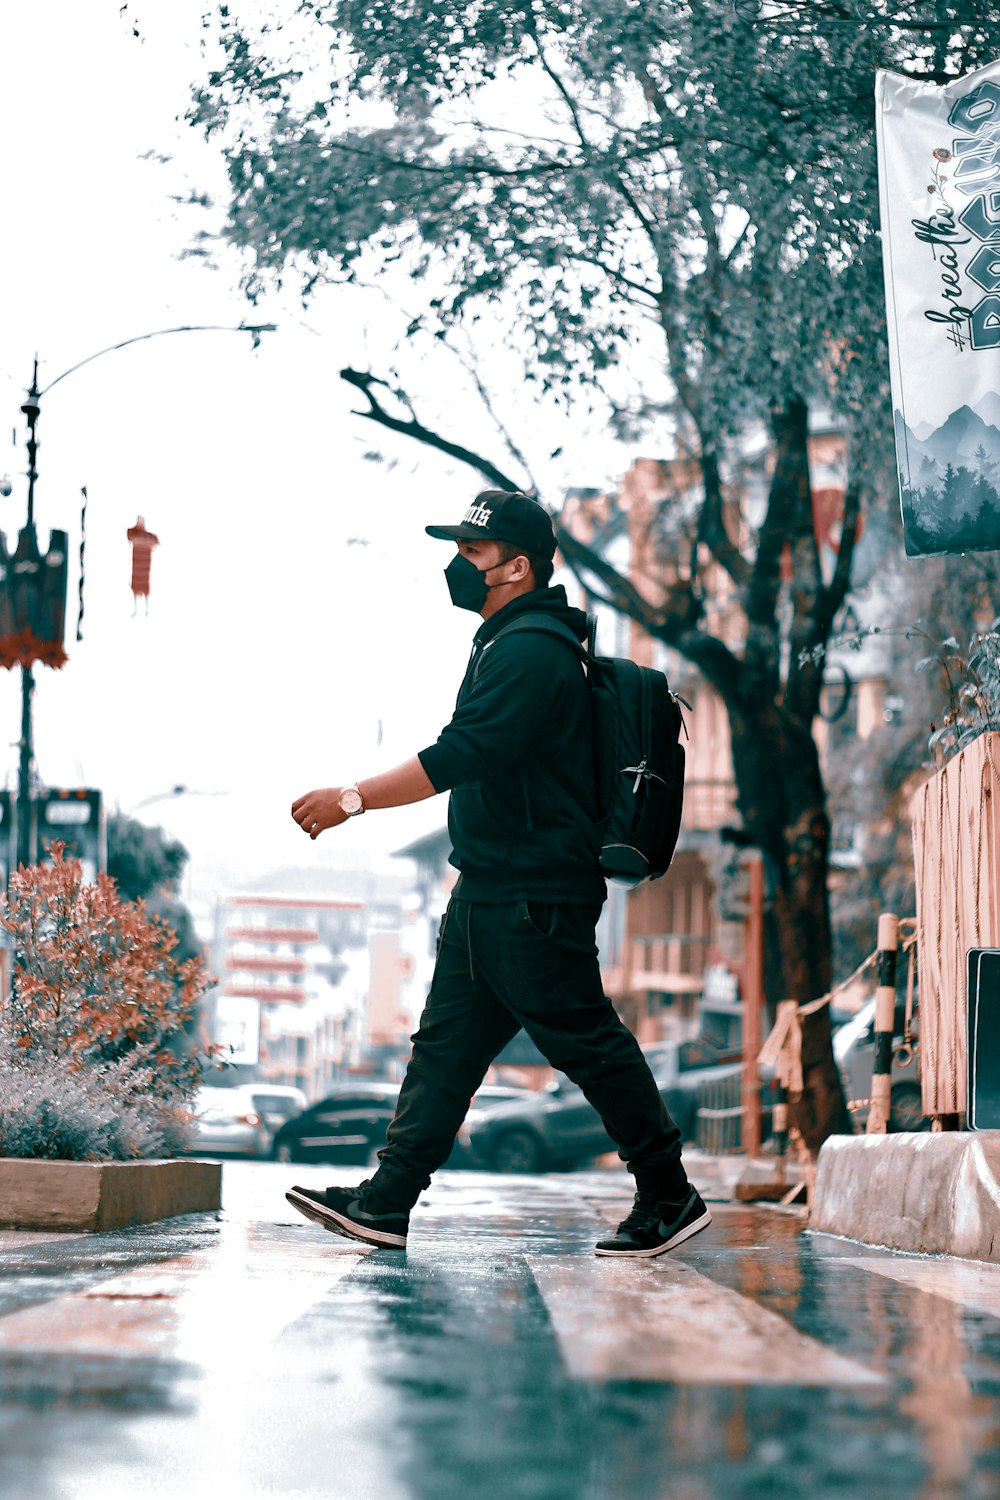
pixel 956 848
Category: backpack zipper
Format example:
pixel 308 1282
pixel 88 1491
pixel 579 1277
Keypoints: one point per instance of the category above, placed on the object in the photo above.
pixel 640 771
pixel 641 774
pixel 679 700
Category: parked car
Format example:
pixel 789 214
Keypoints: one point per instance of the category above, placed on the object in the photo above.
pixel 854 1049
pixel 276 1103
pixel 351 1122
pixel 556 1128
pixel 346 1126
pixel 228 1123
pixel 490 1096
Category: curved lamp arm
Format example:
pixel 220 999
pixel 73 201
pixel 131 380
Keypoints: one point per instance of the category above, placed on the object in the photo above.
pixel 254 329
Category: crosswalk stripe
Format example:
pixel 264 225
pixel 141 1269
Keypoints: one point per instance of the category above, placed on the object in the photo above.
pixel 973 1284
pixel 664 1321
pixel 28 1239
pixel 217 1305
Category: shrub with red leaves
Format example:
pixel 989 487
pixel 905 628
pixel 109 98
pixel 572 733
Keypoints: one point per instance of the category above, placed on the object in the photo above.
pixel 95 991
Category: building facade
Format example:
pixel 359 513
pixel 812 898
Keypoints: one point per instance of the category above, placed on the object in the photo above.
pixel 313 989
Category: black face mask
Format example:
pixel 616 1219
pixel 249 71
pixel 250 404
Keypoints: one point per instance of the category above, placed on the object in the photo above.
pixel 467 584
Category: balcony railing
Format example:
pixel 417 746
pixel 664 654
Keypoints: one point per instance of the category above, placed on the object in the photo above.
pixel 670 962
pixel 708 804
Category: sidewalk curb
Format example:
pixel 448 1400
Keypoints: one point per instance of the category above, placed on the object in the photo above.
pixel 104 1195
pixel 936 1194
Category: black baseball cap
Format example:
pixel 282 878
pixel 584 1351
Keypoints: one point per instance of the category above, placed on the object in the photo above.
pixel 503 516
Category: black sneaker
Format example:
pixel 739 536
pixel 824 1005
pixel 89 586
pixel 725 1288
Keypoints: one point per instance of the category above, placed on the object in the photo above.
pixel 342 1210
pixel 655 1226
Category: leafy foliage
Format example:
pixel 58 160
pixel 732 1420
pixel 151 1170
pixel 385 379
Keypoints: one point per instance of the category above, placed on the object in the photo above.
pixel 146 864
pixel 931 703
pixel 973 682
pixel 95 1021
pixel 108 1113
pixel 676 172
pixel 674 205
pixel 142 860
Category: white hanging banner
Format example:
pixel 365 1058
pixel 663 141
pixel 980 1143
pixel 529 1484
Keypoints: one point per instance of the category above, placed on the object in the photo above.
pixel 237 1028
pixel 939 190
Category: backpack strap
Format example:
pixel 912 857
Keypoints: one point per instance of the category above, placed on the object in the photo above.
pixel 544 625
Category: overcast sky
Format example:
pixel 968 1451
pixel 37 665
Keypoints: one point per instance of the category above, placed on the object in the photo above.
pixel 296 604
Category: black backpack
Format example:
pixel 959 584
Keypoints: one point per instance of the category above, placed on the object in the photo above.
pixel 639 758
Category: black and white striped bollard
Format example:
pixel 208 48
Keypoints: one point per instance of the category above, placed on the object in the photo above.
pixel 885 1016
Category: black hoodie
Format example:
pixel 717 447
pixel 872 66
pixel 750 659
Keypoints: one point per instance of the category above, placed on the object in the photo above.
pixel 524 702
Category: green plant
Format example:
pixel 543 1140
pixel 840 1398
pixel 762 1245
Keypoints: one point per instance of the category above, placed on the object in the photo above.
pixel 95 1058
pixel 973 685
pixel 96 1113
pixel 971 680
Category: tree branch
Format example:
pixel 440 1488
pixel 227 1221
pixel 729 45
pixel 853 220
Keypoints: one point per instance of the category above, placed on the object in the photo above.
pixel 557 80
pixel 485 396
pixel 588 149
pixel 836 593
pixel 621 593
pixel 619 276
pixel 676 624
pixel 814 620
pixel 470 167
pixel 719 666
pixel 712 526
pixel 415 429
pixel 789 508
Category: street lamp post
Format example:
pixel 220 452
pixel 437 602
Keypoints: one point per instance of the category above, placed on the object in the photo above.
pixel 28 568
pixel 26 751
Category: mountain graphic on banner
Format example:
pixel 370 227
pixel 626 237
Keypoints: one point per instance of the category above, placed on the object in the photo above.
pixel 989 408
pixel 967 437
pixel 951 495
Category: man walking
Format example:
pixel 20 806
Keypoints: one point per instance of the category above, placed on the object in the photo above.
pixel 517 943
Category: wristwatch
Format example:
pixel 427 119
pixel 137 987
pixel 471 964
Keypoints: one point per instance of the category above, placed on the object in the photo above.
pixel 351 801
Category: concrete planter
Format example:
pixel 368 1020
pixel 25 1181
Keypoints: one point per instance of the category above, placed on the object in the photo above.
pixel 936 1194
pixel 104 1195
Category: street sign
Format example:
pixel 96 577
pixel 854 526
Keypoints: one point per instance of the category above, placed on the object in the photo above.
pixel 721 986
pixel 74 816
pixel 983 972
pixel 237 1028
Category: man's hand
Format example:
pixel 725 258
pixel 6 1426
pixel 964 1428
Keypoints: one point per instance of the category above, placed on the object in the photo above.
pixel 321 809
pixel 318 810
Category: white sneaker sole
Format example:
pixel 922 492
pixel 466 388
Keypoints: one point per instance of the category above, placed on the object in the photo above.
pixel 686 1233
pixel 338 1223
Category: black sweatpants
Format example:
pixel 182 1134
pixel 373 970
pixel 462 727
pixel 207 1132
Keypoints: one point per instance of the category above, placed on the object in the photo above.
pixel 501 967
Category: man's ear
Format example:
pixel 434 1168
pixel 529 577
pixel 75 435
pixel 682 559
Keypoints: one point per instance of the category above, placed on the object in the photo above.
pixel 522 568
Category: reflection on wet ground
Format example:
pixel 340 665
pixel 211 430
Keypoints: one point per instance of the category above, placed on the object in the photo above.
pixel 256 1355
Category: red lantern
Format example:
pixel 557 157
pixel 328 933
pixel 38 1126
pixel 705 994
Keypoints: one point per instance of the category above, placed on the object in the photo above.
pixel 143 542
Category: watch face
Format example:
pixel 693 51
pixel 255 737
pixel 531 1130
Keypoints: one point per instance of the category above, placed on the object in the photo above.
pixel 351 801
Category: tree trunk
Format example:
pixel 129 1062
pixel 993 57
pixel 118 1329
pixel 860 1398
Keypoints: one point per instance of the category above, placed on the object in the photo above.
pixel 782 801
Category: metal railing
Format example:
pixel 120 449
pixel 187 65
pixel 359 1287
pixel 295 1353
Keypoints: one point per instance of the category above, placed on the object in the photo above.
pixel 669 961
pixel 719 1120
pixel 708 804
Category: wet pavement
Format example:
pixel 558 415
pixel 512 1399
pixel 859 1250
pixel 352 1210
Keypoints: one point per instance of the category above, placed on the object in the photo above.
pixel 254 1354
